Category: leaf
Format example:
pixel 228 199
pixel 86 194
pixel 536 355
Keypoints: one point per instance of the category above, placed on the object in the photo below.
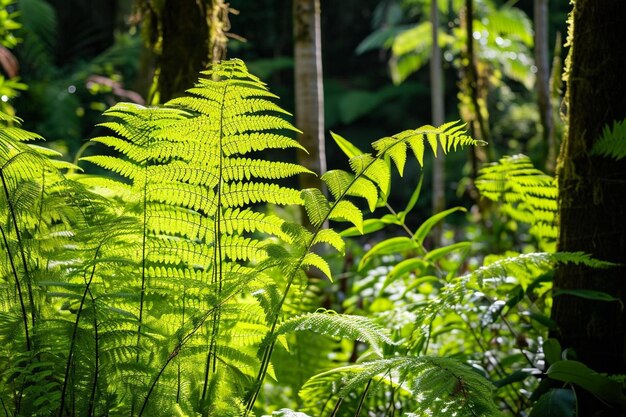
pixel 426 227
pixel 369 226
pixel 388 246
pixel 516 376
pixel 543 320
pixel 342 183
pixel 346 146
pixel 332 238
pixel 588 294
pixel 578 373
pixel 415 265
pixel 330 323
pixel 313 259
pixel 552 350
pixel 439 253
pixel 316 206
pixel 346 211
pixel 558 402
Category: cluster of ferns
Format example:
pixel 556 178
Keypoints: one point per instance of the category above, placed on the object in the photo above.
pixel 163 286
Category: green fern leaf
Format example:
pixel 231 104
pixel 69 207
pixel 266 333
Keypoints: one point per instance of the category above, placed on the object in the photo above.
pixel 316 206
pixel 340 325
pixel 438 386
pixel 527 195
pixel 313 259
pixel 344 210
pixel 342 183
pixel 612 141
pixel 332 238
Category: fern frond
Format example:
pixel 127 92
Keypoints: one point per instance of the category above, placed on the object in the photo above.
pixel 342 183
pixel 332 324
pixel 522 268
pixel 439 386
pixel 612 143
pixel 526 194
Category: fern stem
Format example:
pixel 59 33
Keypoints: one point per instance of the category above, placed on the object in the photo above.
pixel 178 373
pixel 143 263
pixel 4 407
pixel 267 353
pixel 337 405
pixel 217 253
pixel 19 289
pixel 143 271
pixel 92 396
pixel 270 335
pixel 70 355
pixel 180 345
pixel 362 399
pixel 21 247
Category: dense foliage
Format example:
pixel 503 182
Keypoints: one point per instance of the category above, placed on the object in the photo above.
pixel 167 271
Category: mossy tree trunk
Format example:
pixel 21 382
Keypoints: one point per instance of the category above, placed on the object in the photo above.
pixel 185 36
pixel 592 205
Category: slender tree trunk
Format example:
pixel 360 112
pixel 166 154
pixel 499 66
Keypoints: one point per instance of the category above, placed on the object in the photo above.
pixel 438 114
pixel 592 207
pixel 309 88
pixel 543 82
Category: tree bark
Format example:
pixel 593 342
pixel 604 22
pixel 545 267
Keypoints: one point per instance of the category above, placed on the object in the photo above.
pixel 186 36
pixel 592 209
pixel 309 88
pixel 543 82
pixel 438 111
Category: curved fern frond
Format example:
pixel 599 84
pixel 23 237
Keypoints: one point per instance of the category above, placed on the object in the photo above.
pixel 371 174
pixel 346 326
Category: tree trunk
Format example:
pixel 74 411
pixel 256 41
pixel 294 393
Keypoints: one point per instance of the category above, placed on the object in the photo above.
pixel 543 82
pixel 185 36
pixel 438 111
pixel 309 88
pixel 592 208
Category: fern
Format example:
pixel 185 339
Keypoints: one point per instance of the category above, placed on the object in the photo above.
pixel 524 268
pixel 436 386
pixel 339 325
pixel 612 142
pixel 526 195
pixel 170 261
